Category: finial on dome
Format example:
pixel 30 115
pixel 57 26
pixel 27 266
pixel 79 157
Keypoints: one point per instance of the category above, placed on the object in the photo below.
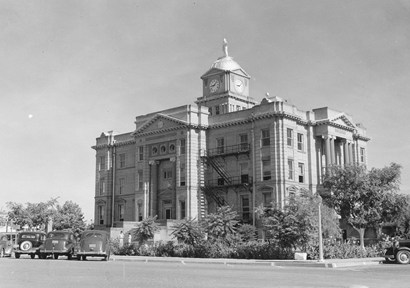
pixel 225 47
pixel 267 94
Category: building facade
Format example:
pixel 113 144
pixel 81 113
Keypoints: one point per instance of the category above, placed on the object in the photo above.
pixel 226 149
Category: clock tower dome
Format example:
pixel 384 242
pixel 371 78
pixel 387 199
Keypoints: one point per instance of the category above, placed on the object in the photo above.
pixel 225 86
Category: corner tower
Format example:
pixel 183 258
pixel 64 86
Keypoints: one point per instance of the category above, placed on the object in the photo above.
pixel 225 86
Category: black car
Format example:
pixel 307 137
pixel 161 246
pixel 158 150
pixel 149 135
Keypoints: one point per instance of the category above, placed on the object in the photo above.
pixel 399 252
pixel 29 243
pixel 59 243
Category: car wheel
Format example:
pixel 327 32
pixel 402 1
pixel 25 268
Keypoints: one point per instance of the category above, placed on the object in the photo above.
pixel 2 253
pixel 26 245
pixel 403 257
pixel 78 257
pixel 32 256
pixel 17 255
pixel 69 256
pixel 84 257
pixel 56 256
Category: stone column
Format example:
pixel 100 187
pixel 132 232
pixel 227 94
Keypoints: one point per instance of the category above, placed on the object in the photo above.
pixel 342 153
pixel 327 149
pixel 174 188
pixel 332 151
pixel 154 188
pixel 346 152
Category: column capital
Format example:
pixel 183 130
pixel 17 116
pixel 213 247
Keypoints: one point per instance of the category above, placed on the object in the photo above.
pixel 153 162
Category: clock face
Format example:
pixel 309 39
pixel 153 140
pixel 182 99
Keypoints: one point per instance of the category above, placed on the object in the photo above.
pixel 238 85
pixel 214 85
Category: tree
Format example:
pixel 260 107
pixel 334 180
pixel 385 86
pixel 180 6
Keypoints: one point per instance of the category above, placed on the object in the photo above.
pixel 188 232
pixel 34 215
pixel 222 224
pixel 69 217
pixel 359 196
pixel 295 225
pixel 144 230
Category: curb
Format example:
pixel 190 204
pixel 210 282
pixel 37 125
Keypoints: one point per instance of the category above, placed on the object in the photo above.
pixel 278 263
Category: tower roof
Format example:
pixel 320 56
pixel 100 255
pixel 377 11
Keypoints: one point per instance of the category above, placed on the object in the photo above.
pixel 226 62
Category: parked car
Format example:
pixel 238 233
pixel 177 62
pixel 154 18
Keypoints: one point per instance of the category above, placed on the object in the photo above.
pixel 94 243
pixel 59 243
pixel 399 252
pixel 7 241
pixel 29 243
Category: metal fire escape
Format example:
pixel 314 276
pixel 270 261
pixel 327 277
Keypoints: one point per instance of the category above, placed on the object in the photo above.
pixel 213 188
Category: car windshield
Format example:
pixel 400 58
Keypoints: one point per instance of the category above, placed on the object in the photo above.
pixel 57 235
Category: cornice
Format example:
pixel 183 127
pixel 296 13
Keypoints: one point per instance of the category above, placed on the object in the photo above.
pixel 116 144
pixel 361 137
pixel 170 129
pixel 268 115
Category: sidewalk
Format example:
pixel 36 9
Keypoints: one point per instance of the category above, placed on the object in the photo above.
pixel 328 263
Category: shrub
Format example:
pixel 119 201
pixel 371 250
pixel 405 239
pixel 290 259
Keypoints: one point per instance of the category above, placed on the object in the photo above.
pixel 344 251
pixel 126 249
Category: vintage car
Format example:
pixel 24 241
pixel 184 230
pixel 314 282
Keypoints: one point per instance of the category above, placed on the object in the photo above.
pixel 29 243
pixel 7 240
pixel 59 243
pixel 399 252
pixel 94 243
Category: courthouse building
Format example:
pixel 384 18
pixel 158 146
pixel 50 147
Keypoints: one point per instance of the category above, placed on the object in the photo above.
pixel 226 149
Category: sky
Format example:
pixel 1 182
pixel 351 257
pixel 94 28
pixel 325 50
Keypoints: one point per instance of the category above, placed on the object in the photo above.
pixel 70 70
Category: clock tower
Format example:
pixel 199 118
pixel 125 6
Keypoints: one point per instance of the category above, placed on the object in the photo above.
pixel 225 86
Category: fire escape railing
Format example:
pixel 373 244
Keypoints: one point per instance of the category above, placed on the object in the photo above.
pixel 212 158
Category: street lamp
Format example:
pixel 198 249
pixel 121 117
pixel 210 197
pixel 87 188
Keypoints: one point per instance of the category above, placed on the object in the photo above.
pixel 320 227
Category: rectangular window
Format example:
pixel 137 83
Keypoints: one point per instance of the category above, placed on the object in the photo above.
pixel 243 167
pixel 210 111
pixel 139 211
pixel 243 139
pixel 221 182
pixel 217 110
pixel 245 205
pixel 238 108
pixel 167 173
pixel 290 169
pixel 289 137
pixel 121 210
pixel 182 148
pixel 141 153
pixel 362 155
pixel 301 168
pixel 140 180
pixel 265 137
pixel 220 145
pixel 101 215
pixel 122 160
pixel 300 142
pixel 267 200
pixel 102 186
pixel 102 163
pixel 182 174
pixel 266 170
pixel 183 211
pixel 122 185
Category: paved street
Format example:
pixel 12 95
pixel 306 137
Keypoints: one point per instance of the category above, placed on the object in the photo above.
pixel 61 273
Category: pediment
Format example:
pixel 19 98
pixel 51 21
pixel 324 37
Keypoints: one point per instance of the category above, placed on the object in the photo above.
pixel 160 122
pixel 342 120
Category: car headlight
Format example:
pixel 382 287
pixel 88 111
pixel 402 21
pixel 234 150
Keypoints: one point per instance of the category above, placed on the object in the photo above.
pixel 396 244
